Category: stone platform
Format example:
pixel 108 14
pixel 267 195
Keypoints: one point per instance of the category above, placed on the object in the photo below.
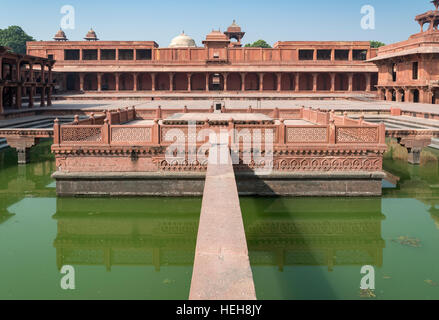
pixel 288 152
pixel 300 184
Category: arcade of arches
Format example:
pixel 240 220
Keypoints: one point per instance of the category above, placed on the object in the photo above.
pixel 409 94
pixel 246 81
pixel 24 79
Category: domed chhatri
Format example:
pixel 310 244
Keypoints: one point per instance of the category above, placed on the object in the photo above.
pixel 216 35
pixel 182 41
pixel 235 32
pixel 234 27
pixel 91 36
pixel 60 36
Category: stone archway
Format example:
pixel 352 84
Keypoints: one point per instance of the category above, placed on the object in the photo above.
pixel 270 82
pixel 162 82
pixel 126 82
pixel 359 82
pixel 288 82
pixel 341 82
pixel 144 82
pixel 72 82
pixel 198 82
pixel 108 82
pixel 306 82
pixel 180 81
pixel 234 82
pixel 90 82
pixel 252 82
pixel 323 82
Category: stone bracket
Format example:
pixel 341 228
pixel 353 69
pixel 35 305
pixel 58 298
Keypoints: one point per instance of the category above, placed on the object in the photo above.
pixel 414 146
pixel 22 144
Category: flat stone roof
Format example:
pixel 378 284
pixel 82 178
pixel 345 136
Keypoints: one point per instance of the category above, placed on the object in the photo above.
pixel 406 52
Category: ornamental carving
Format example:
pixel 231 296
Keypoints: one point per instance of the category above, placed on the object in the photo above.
pixel 81 134
pixel 357 135
pixel 304 134
pixel 329 164
pixel 131 134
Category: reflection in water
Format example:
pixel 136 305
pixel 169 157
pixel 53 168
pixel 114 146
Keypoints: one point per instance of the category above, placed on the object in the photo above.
pixel 19 182
pixel 127 232
pixel 322 232
pixel 419 182
pixel 293 242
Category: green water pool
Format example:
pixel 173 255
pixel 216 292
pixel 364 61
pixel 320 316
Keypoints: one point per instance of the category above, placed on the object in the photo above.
pixel 143 248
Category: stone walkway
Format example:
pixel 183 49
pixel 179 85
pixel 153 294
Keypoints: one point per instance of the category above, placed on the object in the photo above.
pixel 340 105
pixel 222 267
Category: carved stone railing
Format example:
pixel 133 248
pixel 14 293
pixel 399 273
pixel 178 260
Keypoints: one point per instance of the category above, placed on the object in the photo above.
pixel 276 113
pixel 347 132
pixel 334 144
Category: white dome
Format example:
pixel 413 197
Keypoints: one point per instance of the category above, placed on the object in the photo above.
pixel 183 41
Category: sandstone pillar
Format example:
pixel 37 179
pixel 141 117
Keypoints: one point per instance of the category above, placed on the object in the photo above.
pixel 50 75
pixel 389 95
pixel 332 81
pixel 243 81
pixel 261 81
pixel 42 96
pixel 414 156
pixel 427 96
pixel 81 82
pixel 31 73
pixel 49 96
pixel 18 75
pixel 296 82
pixel 351 81
pixel 116 76
pixel 314 82
pixel 171 81
pixel 398 96
pixel 279 81
pixel 189 82
pixel 226 85
pixel 152 81
pixel 207 82
pixel 43 73
pixel 135 79
pixel 31 96
pixel 18 95
pixel 368 84
pixel 99 76
pixel 406 95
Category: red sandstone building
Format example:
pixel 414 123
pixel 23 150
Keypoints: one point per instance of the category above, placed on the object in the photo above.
pixel 24 76
pixel 221 64
pixel 408 70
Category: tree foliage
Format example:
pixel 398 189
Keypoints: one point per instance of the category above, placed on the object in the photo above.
pixel 15 38
pixel 377 44
pixel 258 44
